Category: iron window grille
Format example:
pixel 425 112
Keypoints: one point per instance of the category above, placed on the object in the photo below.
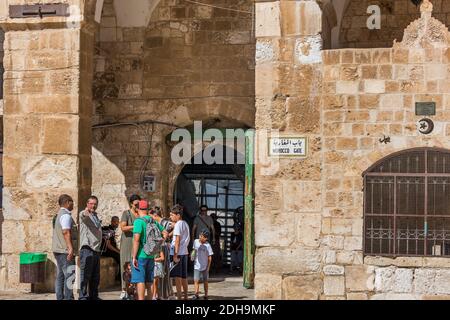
pixel 407 204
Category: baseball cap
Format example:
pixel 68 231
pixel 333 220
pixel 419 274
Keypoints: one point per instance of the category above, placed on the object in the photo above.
pixel 143 205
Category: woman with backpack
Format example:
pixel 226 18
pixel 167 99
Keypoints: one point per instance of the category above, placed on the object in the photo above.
pixel 126 242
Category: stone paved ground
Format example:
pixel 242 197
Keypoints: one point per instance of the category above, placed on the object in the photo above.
pixel 225 288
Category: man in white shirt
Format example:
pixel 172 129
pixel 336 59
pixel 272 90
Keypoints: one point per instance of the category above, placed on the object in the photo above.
pixel 65 248
pixel 179 251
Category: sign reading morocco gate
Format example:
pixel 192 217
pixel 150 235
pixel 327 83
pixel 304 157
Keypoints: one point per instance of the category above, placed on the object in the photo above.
pixel 288 147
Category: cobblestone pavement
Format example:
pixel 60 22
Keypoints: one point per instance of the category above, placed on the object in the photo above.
pixel 221 289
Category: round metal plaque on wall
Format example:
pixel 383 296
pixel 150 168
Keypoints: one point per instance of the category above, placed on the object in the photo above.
pixel 425 126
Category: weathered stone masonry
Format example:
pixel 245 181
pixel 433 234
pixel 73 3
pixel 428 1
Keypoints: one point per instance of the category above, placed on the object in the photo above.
pixel 47 133
pixel 188 63
pixel 344 102
pixel 181 62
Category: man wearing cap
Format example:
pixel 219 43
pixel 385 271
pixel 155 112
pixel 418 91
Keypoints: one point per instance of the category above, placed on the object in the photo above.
pixel 143 264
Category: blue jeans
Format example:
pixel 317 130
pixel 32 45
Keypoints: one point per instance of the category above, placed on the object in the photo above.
pixel 89 273
pixel 65 277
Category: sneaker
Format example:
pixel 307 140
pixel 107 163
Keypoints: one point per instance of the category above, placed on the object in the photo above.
pixel 123 295
pixel 195 297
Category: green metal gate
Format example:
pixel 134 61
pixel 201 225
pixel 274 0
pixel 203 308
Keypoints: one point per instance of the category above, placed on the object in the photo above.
pixel 249 232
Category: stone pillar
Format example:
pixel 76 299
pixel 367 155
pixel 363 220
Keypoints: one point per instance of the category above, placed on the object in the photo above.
pixel 2 39
pixel 47 129
pixel 288 201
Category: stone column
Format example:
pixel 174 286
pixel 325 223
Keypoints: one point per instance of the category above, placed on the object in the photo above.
pixel 47 129
pixel 288 201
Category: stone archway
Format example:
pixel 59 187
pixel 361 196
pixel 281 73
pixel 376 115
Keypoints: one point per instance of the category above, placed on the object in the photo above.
pixel 190 63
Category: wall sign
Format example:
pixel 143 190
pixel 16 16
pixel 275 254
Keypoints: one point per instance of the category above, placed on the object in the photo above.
pixel 425 108
pixel 288 147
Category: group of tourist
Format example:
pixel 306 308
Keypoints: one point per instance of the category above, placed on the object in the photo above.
pixel 153 250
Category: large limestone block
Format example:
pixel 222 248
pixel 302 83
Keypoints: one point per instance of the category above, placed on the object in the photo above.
pixel 265 51
pixel 60 135
pixel 308 287
pixel 302 196
pixel 16 204
pixel 300 18
pixel 334 270
pixel 424 281
pixel 268 19
pixel 269 194
pixel 359 278
pixel 384 279
pixel 13 236
pixel 39 235
pixel 442 281
pixel 16 138
pixel 334 285
pixel 303 115
pixel 395 280
pixel 308 229
pixel 11 171
pixel 287 260
pixel 51 172
pixel 268 233
pixel 404 280
pixel 267 286
pixel 308 49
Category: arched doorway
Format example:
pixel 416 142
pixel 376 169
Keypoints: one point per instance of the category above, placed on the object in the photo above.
pixel 226 187
pixel 221 188
pixel 407 204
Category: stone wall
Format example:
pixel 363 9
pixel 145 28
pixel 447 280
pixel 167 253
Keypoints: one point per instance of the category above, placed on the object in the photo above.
pixel 309 235
pixel 288 199
pixel 369 94
pixel 47 132
pixel 396 16
pixel 190 63
pixel 2 39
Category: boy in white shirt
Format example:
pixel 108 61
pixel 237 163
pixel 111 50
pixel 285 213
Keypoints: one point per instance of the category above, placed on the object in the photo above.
pixel 179 253
pixel 202 255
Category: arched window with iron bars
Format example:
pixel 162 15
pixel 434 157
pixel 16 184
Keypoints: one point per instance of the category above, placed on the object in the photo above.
pixel 407 204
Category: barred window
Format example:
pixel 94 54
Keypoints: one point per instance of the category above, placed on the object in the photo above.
pixel 407 204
